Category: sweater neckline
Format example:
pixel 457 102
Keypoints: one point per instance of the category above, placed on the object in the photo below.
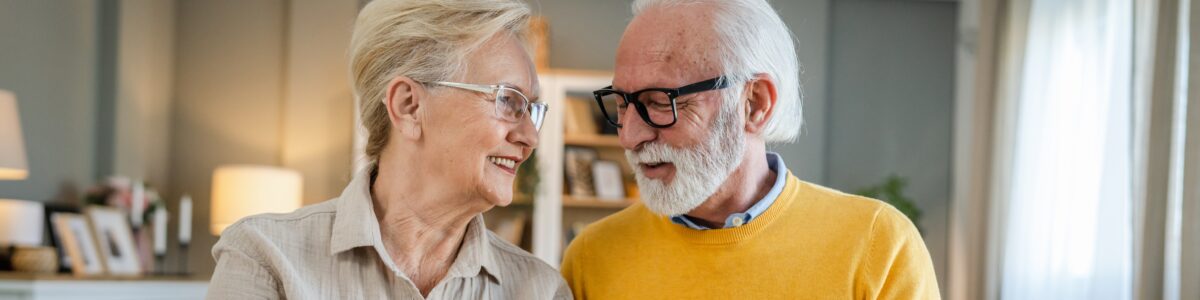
pixel 737 234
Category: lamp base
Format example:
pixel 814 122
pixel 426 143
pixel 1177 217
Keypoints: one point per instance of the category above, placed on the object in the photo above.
pixel 6 258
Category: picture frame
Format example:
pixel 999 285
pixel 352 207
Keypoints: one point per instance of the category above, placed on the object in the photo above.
pixel 115 240
pixel 609 184
pixel 64 260
pixel 76 239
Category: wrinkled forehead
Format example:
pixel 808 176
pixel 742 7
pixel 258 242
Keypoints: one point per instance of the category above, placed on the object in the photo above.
pixel 667 47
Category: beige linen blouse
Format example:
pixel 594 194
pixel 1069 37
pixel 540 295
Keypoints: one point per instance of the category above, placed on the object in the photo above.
pixel 333 250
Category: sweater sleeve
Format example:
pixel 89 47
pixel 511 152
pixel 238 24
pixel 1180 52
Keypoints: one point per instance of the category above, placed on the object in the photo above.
pixel 896 264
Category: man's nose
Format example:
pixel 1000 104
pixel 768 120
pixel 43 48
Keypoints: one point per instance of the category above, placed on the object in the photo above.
pixel 634 131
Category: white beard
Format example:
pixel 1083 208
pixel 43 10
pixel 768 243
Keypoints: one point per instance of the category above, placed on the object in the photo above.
pixel 698 172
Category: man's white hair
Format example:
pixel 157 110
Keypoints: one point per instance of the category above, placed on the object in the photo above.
pixel 754 40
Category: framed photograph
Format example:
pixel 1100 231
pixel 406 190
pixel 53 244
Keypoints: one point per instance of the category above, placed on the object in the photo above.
pixel 75 237
pixel 115 241
pixel 608 182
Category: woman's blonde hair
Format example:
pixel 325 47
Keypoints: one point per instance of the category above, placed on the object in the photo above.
pixel 426 40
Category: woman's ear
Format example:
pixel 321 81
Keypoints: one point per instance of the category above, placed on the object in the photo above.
pixel 403 102
pixel 760 102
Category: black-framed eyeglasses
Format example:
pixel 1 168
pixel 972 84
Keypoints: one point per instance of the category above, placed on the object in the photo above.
pixel 655 105
pixel 511 104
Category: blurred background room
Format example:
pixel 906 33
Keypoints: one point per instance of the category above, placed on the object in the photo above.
pixel 1046 149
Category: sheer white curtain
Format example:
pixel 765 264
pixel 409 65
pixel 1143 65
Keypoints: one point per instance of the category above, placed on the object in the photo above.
pixel 1068 221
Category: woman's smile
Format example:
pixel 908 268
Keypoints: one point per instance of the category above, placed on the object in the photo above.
pixel 507 164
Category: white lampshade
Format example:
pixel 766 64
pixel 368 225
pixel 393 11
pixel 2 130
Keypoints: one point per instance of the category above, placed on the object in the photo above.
pixel 21 223
pixel 12 146
pixel 243 190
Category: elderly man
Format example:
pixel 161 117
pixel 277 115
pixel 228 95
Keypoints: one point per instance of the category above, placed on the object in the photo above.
pixel 701 87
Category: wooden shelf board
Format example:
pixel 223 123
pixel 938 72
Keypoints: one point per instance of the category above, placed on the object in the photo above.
pixel 592 202
pixel 592 140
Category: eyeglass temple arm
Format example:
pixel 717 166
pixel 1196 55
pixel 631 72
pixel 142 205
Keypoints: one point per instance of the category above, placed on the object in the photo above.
pixel 707 85
pixel 471 87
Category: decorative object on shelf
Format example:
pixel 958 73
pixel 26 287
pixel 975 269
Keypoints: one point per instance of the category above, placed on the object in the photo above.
pixel 610 185
pixel 35 259
pixel 13 163
pixel 243 190
pixel 185 231
pixel 75 235
pixel 56 240
pixel 581 117
pixel 133 197
pixel 577 162
pixel 137 200
pixel 21 224
pixel 160 238
pixel 891 190
pixel 115 240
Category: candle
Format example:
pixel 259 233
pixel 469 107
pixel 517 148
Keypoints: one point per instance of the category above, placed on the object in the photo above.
pixel 185 219
pixel 137 203
pixel 160 231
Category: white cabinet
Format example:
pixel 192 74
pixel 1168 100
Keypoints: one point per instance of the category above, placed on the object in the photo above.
pixel 39 287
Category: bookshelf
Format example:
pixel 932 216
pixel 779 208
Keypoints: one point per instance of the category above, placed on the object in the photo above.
pixel 553 214
pixel 591 140
pixel 555 211
pixel 569 201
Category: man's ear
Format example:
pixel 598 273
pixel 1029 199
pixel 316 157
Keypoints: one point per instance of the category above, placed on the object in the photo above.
pixel 403 102
pixel 760 102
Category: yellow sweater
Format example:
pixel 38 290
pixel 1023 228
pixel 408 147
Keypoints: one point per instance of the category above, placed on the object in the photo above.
pixel 812 243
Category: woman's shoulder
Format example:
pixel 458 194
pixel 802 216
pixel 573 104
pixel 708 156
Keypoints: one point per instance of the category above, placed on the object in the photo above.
pixel 251 235
pixel 514 259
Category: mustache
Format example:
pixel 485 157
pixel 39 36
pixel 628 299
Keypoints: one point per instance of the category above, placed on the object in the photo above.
pixel 654 153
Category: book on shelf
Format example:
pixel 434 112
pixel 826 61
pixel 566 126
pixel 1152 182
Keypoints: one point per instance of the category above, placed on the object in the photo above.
pixel 607 181
pixel 580 117
pixel 577 164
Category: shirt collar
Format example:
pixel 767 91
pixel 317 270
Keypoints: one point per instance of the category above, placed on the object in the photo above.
pixel 774 163
pixel 355 225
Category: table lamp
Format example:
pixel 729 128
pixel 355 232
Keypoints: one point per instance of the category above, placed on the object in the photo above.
pixel 12 147
pixel 21 222
pixel 21 227
pixel 243 190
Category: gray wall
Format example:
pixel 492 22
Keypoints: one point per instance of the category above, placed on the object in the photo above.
pixel 891 112
pixel 48 52
pixel 584 35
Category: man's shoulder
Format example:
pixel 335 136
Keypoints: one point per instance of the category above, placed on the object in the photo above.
pixel 845 209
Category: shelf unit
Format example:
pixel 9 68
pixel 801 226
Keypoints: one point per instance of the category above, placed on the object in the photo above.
pixel 551 204
pixel 591 140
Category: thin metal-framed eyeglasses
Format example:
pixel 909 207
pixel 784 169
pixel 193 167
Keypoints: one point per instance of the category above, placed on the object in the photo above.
pixel 511 104
pixel 656 106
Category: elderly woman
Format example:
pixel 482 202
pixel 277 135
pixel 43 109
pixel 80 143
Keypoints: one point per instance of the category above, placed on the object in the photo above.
pixel 448 95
